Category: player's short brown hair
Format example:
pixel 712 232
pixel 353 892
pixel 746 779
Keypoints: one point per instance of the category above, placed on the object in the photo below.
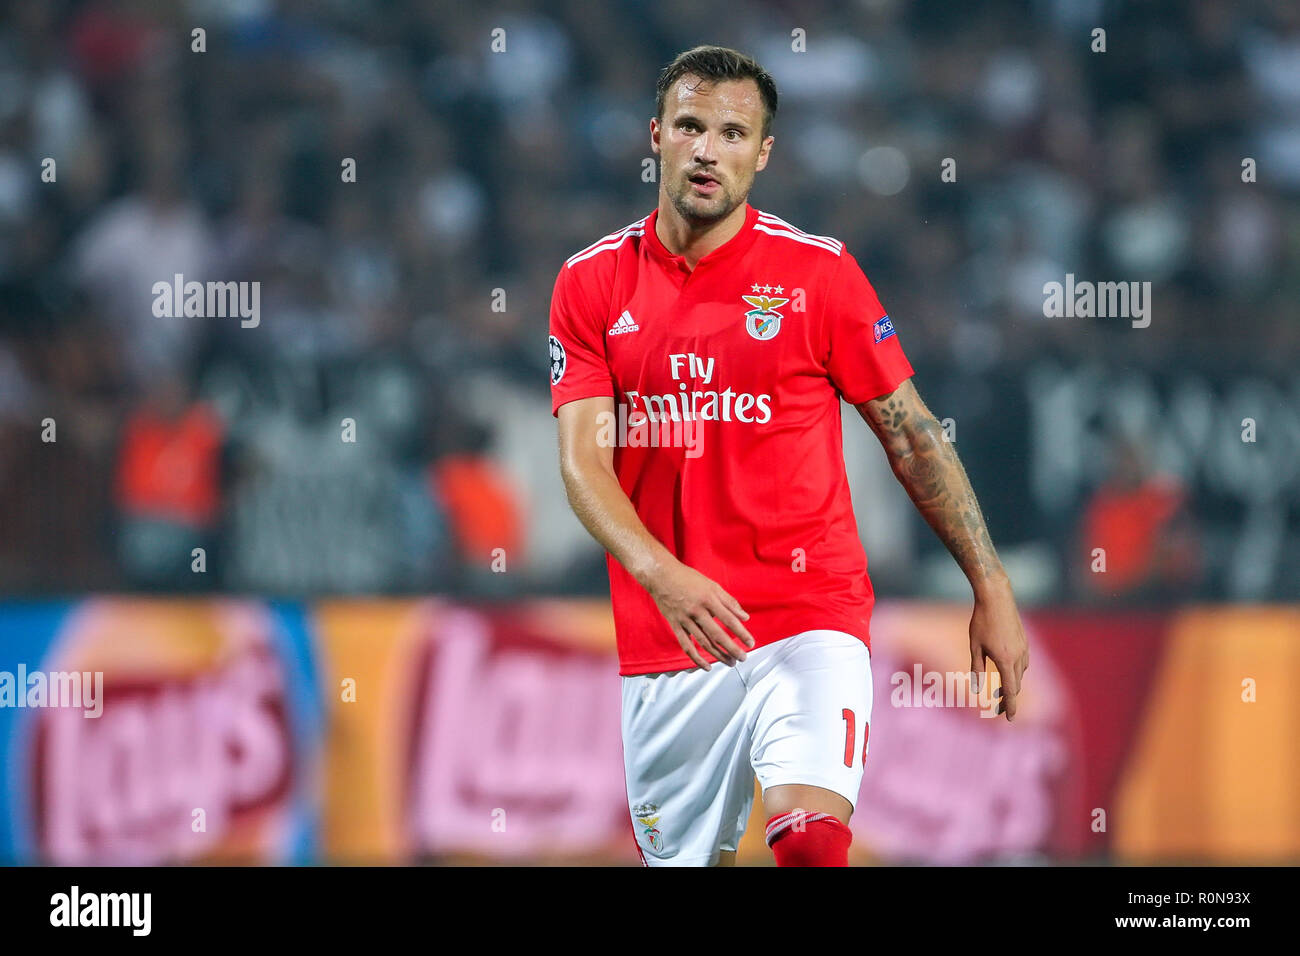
pixel 715 63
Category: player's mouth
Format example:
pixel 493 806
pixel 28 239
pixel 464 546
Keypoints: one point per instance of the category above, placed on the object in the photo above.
pixel 705 184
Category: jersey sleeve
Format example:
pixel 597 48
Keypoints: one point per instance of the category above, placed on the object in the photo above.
pixel 579 368
pixel 864 358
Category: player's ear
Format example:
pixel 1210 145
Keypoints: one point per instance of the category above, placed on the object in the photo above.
pixel 764 151
pixel 654 135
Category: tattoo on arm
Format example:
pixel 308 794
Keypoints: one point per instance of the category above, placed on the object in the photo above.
pixel 928 468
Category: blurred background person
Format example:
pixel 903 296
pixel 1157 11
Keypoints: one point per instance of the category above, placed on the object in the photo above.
pixel 168 489
pixel 1137 538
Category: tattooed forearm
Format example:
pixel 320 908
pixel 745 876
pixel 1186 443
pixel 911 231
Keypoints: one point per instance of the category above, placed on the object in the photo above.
pixel 928 468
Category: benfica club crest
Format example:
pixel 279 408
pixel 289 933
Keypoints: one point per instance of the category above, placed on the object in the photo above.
pixel 647 815
pixel 763 321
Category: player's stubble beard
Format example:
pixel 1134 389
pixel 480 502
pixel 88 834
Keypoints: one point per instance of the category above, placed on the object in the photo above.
pixel 695 211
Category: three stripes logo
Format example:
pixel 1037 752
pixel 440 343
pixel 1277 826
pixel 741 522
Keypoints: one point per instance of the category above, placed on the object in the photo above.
pixel 624 323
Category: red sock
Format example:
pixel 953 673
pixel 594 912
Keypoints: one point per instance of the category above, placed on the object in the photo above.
pixel 808 838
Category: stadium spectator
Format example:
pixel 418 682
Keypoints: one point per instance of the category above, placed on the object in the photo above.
pixel 1136 535
pixel 482 507
pixel 168 491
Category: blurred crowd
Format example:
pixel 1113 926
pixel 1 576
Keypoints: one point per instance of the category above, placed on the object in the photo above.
pixel 385 426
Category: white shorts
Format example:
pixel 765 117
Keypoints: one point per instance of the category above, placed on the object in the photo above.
pixel 796 711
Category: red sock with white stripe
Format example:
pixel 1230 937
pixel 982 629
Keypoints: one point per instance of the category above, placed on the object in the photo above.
pixel 808 838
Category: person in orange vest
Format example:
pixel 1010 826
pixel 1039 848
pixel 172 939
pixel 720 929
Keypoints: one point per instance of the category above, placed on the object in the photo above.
pixel 168 487
pixel 1136 535
pixel 480 502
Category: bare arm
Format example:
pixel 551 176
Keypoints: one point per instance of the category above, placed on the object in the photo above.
pixel 688 600
pixel 928 468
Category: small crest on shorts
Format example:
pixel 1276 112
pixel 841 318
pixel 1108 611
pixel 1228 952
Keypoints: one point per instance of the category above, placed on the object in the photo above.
pixel 647 814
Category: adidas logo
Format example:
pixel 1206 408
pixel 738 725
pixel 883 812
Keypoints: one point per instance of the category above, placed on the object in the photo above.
pixel 623 324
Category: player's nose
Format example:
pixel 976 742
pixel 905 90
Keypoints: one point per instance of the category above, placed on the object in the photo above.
pixel 706 149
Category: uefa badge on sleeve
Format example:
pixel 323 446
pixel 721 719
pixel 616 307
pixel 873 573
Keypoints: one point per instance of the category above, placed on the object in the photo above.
pixel 883 329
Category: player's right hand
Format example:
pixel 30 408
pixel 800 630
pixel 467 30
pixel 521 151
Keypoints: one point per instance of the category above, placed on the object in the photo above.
pixel 690 603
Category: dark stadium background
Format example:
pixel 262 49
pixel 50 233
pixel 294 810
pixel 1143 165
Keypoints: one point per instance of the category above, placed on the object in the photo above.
pixel 490 142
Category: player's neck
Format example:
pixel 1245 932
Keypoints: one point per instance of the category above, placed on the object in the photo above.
pixel 694 242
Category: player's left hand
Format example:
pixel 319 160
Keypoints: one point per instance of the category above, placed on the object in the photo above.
pixel 997 634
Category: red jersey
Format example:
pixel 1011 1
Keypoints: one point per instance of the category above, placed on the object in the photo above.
pixel 727 382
